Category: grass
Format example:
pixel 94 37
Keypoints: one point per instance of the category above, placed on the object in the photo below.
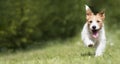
pixel 68 52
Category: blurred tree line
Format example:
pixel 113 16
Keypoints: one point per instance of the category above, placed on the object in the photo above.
pixel 23 22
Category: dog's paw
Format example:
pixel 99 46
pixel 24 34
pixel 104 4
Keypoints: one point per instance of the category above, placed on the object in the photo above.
pixel 90 45
pixel 98 54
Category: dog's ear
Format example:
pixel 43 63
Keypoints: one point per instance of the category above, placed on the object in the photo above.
pixel 102 14
pixel 89 12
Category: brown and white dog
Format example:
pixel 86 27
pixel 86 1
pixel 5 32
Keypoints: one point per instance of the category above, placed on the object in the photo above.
pixel 93 33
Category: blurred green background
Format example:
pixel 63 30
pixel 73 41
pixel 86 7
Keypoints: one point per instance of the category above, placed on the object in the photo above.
pixel 23 22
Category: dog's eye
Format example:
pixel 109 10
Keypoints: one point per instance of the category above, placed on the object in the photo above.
pixel 90 21
pixel 98 21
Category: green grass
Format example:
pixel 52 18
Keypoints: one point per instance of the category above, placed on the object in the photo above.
pixel 68 52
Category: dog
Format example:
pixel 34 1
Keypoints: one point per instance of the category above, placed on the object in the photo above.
pixel 93 33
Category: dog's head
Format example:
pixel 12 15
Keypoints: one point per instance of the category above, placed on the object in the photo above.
pixel 94 21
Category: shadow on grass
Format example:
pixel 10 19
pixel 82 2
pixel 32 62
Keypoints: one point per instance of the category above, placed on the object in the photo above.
pixel 87 54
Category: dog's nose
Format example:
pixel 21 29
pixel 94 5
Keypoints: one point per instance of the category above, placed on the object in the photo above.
pixel 94 27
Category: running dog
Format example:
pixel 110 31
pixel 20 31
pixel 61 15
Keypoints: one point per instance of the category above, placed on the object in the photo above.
pixel 93 33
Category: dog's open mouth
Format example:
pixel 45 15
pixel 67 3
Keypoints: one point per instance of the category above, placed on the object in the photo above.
pixel 95 33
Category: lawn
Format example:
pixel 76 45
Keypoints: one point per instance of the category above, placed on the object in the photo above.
pixel 71 51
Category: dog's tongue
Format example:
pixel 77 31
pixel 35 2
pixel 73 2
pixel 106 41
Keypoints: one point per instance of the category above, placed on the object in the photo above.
pixel 95 34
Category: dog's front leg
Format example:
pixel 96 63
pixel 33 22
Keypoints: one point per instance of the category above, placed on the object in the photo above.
pixel 100 48
pixel 88 42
